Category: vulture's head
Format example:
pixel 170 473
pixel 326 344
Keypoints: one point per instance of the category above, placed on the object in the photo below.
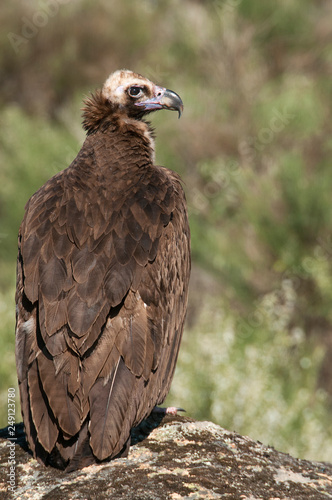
pixel 137 96
pixel 124 95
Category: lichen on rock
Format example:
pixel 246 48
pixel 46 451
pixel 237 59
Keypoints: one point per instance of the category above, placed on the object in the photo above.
pixel 180 459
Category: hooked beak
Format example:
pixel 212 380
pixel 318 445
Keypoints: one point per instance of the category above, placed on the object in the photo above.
pixel 163 99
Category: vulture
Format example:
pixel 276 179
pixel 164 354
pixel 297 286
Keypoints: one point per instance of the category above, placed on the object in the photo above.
pixel 102 283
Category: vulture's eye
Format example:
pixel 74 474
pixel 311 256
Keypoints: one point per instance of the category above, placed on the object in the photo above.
pixel 135 91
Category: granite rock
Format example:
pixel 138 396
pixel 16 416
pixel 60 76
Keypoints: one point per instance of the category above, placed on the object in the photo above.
pixel 180 459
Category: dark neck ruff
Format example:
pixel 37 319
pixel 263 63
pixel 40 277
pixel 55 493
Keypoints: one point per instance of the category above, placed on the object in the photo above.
pixel 98 113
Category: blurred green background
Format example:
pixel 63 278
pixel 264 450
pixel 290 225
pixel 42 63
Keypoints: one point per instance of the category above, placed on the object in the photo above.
pixel 254 149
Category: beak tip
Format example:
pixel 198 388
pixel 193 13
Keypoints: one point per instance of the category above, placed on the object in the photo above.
pixel 171 100
pixel 167 99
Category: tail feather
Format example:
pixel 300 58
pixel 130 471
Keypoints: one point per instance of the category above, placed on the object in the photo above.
pixel 111 406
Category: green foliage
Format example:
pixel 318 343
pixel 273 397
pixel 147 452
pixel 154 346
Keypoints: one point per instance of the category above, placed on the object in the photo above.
pixel 253 147
pixel 255 376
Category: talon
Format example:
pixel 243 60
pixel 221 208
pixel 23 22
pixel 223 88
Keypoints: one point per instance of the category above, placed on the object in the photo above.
pixel 171 410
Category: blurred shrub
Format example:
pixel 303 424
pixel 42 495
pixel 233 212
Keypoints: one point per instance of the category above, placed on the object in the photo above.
pixel 256 376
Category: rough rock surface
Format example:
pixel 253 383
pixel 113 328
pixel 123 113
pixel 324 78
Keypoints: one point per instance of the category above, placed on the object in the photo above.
pixel 180 459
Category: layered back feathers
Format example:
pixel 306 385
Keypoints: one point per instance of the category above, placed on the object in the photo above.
pixel 102 282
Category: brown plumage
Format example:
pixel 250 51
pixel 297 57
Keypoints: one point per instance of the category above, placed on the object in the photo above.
pixel 102 282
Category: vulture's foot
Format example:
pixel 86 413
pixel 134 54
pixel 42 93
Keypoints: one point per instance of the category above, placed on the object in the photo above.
pixel 170 410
